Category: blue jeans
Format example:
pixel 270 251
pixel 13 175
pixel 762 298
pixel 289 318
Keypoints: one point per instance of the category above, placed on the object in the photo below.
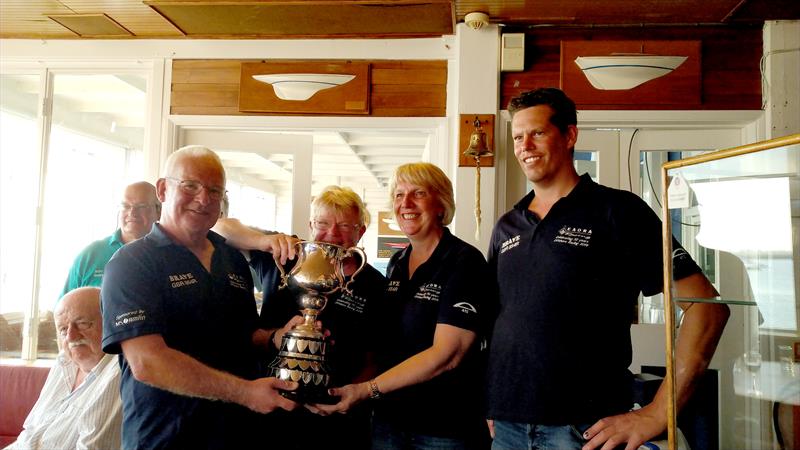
pixel 388 437
pixel 526 436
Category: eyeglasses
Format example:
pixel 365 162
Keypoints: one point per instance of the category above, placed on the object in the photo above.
pixel 343 228
pixel 139 207
pixel 193 187
pixel 81 325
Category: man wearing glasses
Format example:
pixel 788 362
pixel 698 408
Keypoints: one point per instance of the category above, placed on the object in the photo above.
pixel 178 305
pixel 138 211
pixel 338 217
pixel 79 406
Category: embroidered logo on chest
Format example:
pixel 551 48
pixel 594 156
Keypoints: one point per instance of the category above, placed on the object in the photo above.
pixel 578 237
pixel 353 303
pixel 182 279
pixel 394 286
pixel 429 292
pixel 509 244
pixel 237 281
pixel 465 307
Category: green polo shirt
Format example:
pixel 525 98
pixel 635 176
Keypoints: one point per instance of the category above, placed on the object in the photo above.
pixel 87 270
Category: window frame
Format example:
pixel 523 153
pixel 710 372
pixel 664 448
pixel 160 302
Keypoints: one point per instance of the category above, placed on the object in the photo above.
pixel 153 72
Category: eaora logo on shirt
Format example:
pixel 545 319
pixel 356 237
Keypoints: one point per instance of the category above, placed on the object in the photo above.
pixel 465 307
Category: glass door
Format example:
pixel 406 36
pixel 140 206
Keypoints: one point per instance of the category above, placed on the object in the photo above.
pixel 597 153
pixel 647 150
pixel 268 175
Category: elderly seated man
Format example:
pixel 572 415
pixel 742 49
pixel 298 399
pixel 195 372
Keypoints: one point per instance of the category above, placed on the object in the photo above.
pixel 79 406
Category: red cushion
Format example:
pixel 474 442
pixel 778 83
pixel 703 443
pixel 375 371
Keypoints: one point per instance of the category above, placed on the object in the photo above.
pixel 19 389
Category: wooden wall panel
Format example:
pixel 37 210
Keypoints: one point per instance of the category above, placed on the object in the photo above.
pixel 679 87
pixel 400 96
pixel 398 88
pixel 351 97
pixel 731 77
pixel 205 93
pixel 399 75
pixel 205 71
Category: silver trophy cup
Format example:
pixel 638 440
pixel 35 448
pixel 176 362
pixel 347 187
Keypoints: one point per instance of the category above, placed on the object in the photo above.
pixel 319 272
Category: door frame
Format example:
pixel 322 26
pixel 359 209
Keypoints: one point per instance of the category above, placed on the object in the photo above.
pixel 299 146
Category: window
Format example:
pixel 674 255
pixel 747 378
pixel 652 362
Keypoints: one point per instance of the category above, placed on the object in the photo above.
pixel 19 170
pixel 254 206
pixel 73 164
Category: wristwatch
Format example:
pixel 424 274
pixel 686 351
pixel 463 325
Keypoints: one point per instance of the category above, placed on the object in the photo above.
pixel 374 392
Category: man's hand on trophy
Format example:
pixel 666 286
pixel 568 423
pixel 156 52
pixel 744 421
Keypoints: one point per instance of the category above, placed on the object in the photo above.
pixel 277 335
pixel 263 395
pixel 349 396
pixel 282 246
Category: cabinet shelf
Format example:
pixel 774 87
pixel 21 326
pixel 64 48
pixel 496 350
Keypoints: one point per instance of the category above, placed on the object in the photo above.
pixel 737 212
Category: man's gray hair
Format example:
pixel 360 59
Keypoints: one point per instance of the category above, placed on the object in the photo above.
pixel 192 152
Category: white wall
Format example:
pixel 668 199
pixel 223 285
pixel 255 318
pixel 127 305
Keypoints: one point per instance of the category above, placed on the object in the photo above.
pixel 477 92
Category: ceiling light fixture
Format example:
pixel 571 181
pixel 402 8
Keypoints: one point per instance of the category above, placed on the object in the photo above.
pixel 302 86
pixel 620 72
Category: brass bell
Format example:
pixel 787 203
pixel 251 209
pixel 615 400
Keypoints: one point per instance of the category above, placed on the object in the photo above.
pixel 477 142
pixel 476 149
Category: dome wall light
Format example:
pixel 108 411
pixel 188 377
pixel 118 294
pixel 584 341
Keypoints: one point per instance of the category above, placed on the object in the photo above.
pixel 476 20
pixel 621 72
pixel 302 86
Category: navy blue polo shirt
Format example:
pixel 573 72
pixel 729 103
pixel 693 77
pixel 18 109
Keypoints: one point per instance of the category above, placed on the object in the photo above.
pixel 567 289
pixel 451 288
pixel 155 286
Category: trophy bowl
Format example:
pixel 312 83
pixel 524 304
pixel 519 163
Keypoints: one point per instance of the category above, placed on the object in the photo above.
pixel 319 272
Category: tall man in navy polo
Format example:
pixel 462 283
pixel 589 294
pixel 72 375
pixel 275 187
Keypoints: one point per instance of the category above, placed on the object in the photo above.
pixel 570 260
pixel 138 211
pixel 178 304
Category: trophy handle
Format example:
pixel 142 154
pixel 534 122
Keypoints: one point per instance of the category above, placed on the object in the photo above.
pixel 301 256
pixel 349 252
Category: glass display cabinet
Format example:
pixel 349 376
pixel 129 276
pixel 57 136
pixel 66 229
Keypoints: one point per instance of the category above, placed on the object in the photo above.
pixel 740 209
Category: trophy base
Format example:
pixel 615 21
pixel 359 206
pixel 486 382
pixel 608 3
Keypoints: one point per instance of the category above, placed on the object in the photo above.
pixel 305 394
pixel 302 359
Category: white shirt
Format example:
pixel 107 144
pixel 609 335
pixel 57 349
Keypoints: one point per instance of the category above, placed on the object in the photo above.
pixel 88 418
